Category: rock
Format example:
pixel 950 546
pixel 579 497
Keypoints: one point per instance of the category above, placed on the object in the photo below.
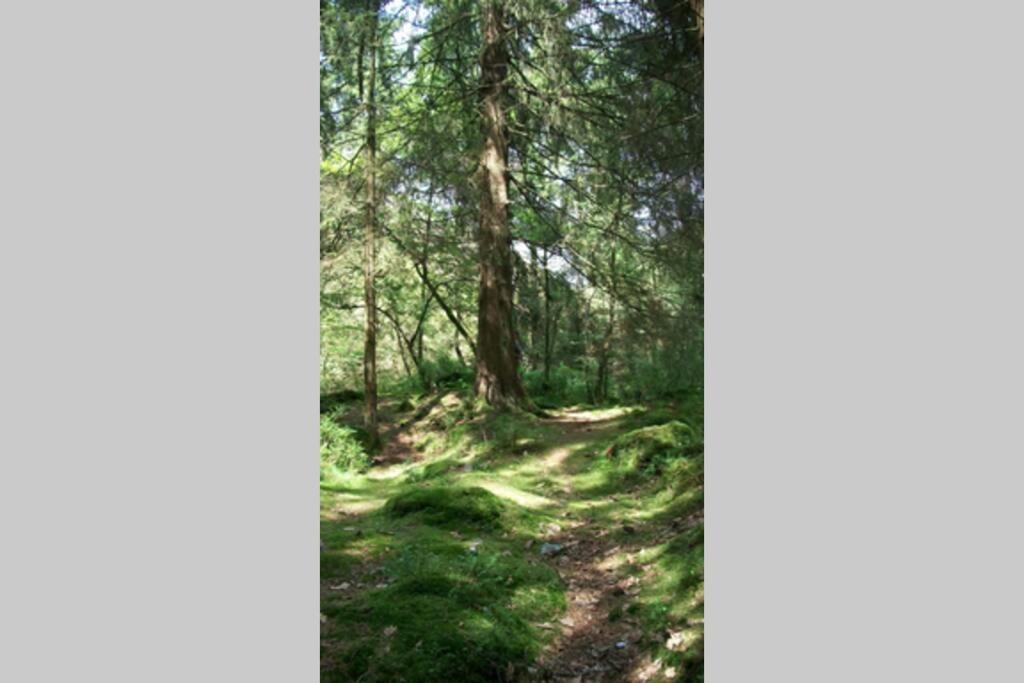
pixel 551 549
pixel 676 641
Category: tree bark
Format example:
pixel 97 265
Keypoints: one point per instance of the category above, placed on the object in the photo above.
pixel 497 376
pixel 369 236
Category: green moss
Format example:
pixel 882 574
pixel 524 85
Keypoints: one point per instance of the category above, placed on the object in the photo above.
pixel 651 449
pixel 442 613
pixel 673 602
pixel 449 506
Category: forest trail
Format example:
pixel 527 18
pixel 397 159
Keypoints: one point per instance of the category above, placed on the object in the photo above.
pixel 589 646
pixel 601 546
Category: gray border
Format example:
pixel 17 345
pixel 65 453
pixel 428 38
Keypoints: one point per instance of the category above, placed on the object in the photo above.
pixel 158 271
pixel 863 346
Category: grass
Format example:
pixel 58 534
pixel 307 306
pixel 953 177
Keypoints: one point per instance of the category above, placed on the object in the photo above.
pixel 431 571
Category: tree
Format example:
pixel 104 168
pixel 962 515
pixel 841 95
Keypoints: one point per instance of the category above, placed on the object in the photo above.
pixel 497 375
pixel 369 236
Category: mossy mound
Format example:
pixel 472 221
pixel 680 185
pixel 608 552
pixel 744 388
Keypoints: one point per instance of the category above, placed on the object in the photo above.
pixel 442 613
pixel 652 449
pixel 450 506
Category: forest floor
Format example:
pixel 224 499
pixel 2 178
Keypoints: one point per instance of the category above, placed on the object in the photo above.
pixel 507 547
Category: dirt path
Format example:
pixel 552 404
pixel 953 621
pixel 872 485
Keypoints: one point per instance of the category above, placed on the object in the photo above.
pixel 590 646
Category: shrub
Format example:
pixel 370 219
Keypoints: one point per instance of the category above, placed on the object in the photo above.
pixel 447 372
pixel 341 448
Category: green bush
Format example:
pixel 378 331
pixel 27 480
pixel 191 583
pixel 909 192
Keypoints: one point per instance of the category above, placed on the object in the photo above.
pixel 341 449
pixel 447 372
pixel 565 385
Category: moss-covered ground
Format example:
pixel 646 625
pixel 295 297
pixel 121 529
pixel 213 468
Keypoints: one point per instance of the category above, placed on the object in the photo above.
pixel 504 546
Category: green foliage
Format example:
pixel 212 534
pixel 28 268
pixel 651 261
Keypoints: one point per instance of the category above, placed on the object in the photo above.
pixel 446 372
pixel 564 386
pixel 447 506
pixel 342 449
pixel 330 403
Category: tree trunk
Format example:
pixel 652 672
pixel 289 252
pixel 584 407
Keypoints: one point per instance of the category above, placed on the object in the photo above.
pixel 697 7
pixel 369 254
pixel 547 321
pixel 497 377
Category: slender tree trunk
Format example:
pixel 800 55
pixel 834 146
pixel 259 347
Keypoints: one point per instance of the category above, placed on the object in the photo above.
pixel 458 349
pixel 547 321
pixel 452 316
pixel 425 294
pixel 401 349
pixel 369 247
pixel 497 377
pixel 535 313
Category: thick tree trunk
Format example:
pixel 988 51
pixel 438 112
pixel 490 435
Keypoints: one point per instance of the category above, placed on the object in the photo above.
pixel 497 377
pixel 369 235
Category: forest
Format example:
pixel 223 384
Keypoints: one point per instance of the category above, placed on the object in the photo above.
pixel 511 340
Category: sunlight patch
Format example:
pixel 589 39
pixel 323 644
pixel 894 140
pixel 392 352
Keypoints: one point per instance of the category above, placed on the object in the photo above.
pixel 517 496
pixel 358 506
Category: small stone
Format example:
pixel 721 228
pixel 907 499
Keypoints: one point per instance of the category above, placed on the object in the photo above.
pixel 551 549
